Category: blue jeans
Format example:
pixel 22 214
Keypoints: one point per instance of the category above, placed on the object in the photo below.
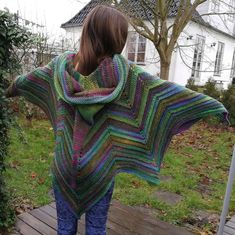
pixel 95 218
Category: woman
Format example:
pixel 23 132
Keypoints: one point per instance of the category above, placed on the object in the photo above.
pixel 109 116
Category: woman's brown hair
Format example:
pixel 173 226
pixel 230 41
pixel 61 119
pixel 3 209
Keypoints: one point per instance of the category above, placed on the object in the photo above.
pixel 104 34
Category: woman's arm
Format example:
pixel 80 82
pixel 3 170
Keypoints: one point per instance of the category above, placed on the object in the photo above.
pixel 38 88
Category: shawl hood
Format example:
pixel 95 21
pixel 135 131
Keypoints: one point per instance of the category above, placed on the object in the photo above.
pixel 90 93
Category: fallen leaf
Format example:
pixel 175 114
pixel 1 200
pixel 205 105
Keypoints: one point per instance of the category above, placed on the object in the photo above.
pixel 33 175
pixel 51 154
pixel 15 164
pixel 203 233
pixel 135 183
pixel 205 180
pixel 41 180
pixel 43 160
pixel 146 205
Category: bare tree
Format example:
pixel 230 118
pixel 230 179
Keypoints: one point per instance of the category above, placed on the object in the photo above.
pixel 162 22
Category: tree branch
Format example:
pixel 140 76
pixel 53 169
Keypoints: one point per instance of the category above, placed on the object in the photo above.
pixel 218 13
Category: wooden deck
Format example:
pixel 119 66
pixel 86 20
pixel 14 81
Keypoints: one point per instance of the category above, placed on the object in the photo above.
pixel 229 228
pixel 122 220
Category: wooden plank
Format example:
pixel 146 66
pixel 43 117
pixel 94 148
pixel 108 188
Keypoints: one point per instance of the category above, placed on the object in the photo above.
pixel 131 223
pixel 37 224
pixel 230 224
pixel 44 217
pixel 232 219
pixel 118 229
pixel 15 233
pixel 224 233
pixel 53 205
pixel 113 230
pixel 49 210
pixel 141 223
pixel 24 228
pixel 229 230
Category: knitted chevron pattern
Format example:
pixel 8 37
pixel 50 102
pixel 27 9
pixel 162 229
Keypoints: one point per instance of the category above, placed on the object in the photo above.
pixel 118 119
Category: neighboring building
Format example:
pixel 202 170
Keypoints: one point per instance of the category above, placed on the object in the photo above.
pixel 206 46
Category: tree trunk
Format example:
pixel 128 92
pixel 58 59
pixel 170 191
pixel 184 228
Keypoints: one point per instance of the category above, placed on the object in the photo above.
pixel 165 58
pixel 164 69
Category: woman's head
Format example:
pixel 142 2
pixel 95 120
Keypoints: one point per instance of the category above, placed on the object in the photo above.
pixel 104 34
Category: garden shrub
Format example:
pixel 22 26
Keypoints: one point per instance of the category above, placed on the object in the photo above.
pixel 191 84
pixel 227 97
pixel 228 100
pixel 7 216
pixel 211 89
pixel 12 37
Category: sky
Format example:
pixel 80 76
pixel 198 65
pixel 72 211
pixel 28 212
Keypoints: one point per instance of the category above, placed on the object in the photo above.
pixel 51 13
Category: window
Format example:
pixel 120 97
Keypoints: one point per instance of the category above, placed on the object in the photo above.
pixel 136 48
pixel 232 74
pixel 215 4
pixel 218 59
pixel 197 56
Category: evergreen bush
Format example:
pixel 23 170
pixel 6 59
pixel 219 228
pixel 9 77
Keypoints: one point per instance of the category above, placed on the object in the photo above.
pixel 191 84
pixel 211 89
pixel 12 37
pixel 228 100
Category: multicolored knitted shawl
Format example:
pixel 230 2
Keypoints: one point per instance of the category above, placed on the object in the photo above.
pixel 117 119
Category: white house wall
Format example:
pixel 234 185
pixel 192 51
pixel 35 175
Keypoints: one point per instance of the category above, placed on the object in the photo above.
pixel 73 35
pixel 184 61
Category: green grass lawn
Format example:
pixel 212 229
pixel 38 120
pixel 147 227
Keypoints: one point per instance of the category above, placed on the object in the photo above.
pixel 197 164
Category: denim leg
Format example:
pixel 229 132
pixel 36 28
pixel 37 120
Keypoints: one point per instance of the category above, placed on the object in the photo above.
pixel 66 220
pixel 96 217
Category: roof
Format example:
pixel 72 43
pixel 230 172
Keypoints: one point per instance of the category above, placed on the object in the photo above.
pixel 79 18
pixel 135 8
